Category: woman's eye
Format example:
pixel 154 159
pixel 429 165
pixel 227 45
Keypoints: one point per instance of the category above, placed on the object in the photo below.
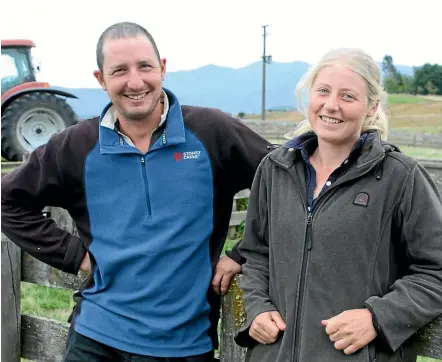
pixel 348 97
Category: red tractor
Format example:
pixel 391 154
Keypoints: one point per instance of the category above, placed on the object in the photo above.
pixel 32 111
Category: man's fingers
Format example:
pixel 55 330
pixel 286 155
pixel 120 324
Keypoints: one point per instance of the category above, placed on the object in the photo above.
pixel 216 281
pixel 278 320
pixel 225 283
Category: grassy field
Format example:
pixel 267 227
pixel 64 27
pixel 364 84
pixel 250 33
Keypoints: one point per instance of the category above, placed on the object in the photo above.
pixel 420 152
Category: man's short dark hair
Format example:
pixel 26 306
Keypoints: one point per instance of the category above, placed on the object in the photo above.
pixel 122 30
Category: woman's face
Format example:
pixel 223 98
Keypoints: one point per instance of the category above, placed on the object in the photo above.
pixel 338 105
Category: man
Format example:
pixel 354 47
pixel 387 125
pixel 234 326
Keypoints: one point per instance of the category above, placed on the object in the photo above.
pixel 150 186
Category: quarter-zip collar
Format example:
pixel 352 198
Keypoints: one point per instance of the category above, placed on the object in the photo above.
pixel 173 131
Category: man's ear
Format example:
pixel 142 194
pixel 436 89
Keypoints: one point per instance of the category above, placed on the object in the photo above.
pixel 99 76
pixel 163 62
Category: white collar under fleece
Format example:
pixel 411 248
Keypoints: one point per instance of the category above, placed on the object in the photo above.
pixel 110 118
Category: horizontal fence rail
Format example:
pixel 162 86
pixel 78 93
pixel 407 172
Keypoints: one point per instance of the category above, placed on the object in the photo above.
pixel 43 340
pixel 277 130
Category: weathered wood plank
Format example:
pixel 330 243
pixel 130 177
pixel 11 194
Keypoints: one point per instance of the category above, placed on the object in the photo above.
pixel 43 339
pixel 34 271
pixel 244 194
pixel 232 318
pixel 61 218
pixel 10 313
pixel 434 168
pixel 237 218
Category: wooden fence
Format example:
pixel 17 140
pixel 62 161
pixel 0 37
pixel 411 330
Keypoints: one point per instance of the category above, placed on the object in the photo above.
pixel 42 339
pixel 276 130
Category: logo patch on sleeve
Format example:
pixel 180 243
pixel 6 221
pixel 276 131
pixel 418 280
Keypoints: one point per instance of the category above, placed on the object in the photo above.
pixel 362 199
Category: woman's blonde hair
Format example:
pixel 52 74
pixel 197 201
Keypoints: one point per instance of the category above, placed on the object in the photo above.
pixel 359 62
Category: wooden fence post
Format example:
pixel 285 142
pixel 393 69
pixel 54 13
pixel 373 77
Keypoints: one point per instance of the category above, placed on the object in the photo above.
pixel 10 313
pixel 233 316
pixel 231 234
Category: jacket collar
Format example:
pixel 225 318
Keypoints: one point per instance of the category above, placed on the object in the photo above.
pixel 173 133
pixel 372 150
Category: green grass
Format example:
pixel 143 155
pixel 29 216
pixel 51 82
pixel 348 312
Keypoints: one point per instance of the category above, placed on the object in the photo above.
pixel 420 152
pixel 46 302
pixel 406 99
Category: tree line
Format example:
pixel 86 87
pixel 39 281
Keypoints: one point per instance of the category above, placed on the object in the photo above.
pixel 426 79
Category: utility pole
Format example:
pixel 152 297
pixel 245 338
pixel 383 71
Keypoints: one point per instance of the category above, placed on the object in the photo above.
pixel 266 59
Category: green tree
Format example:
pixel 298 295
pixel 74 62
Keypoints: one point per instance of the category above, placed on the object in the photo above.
pixel 390 71
pixel 428 79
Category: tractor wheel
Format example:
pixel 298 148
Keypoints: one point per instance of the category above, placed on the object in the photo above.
pixel 30 120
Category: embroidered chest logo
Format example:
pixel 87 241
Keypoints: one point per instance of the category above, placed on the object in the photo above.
pixel 179 156
pixel 362 199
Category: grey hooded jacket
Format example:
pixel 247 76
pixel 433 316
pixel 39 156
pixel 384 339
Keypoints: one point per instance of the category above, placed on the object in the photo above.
pixel 373 240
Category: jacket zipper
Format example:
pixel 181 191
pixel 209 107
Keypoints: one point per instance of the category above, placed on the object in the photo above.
pixel 146 185
pixel 308 244
pixel 305 261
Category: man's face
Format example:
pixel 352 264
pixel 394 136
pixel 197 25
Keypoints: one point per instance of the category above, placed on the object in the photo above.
pixel 132 76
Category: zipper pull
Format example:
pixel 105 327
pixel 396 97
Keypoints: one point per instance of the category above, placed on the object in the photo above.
pixel 309 231
pixel 142 160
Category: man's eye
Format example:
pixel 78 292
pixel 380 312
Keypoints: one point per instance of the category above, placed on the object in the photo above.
pixel 144 66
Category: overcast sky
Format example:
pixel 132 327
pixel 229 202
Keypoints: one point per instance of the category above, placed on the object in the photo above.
pixel 193 33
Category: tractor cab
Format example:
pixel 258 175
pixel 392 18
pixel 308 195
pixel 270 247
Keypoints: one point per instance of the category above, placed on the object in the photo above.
pixel 17 63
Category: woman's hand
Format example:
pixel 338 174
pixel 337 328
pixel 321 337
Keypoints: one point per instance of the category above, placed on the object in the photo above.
pixel 351 330
pixel 266 326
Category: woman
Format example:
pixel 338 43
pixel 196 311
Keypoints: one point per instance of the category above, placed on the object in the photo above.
pixel 343 237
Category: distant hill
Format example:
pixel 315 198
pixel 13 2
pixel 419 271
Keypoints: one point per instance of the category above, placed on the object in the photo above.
pixel 232 90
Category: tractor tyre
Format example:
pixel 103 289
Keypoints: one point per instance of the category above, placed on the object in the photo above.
pixel 30 120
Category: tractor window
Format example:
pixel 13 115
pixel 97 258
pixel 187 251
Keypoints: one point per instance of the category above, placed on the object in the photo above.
pixel 15 68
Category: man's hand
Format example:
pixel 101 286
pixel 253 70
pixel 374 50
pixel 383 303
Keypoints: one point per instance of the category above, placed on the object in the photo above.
pixel 86 264
pixel 351 330
pixel 266 326
pixel 225 270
